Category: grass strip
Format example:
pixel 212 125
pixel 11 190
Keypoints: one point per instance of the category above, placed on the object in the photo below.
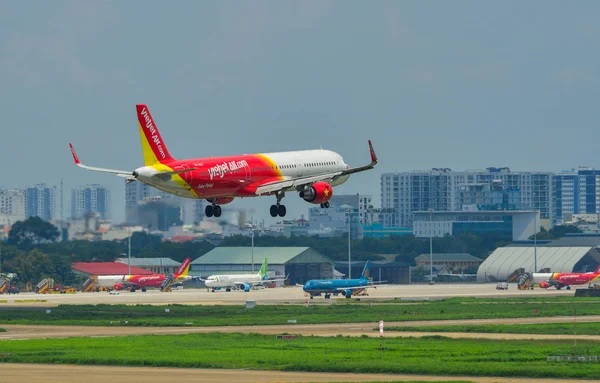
pixel 586 328
pixel 185 315
pixel 428 355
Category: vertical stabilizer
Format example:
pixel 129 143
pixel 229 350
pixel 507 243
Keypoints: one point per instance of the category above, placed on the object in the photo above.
pixel 153 147
pixel 263 270
pixel 184 267
pixel 366 274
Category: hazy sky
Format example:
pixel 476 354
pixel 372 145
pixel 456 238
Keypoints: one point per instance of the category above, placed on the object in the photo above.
pixel 459 84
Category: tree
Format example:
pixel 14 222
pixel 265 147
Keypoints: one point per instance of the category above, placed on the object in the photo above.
pixel 32 231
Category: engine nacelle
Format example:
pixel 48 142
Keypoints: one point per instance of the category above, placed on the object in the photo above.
pixel 118 286
pixel 544 285
pixel 320 192
pixel 244 287
pixel 347 293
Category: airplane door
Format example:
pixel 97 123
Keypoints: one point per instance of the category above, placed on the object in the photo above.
pixel 248 172
pixel 299 170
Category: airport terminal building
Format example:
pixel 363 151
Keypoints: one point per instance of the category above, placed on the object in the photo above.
pixel 300 264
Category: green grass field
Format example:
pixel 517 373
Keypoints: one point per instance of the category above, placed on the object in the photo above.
pixel 430 355
pixel 592 328
pixel 184 315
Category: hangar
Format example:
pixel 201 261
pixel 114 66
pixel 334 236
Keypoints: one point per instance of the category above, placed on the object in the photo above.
pixel 300 264
pixel 502 264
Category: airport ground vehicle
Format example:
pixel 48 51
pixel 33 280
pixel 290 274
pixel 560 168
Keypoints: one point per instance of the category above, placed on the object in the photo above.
pixel 502 286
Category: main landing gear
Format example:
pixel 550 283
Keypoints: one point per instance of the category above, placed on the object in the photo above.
pixel 325 205
pixel 278 209
pixel 213 209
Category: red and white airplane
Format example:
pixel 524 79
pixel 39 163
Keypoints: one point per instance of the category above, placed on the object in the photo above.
pixel 560 280
pixel 142 282
pixel 310 173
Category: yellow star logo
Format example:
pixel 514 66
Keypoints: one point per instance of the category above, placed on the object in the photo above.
pixel 326 192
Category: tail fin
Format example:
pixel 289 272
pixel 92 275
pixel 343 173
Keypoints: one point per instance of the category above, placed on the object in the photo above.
pixel 598 270
pixel 366 271
pixel 263 270
pixel 184 268
pixel 153 146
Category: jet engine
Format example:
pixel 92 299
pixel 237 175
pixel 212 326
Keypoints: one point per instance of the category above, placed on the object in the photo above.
pixel 347 293
pixel 318 193
pixel 118 286
pixel 244 287
pixel 544 285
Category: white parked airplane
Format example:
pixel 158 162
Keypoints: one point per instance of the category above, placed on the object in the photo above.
pixel 240 281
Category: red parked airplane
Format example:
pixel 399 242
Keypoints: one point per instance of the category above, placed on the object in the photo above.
pixel 142 282
pixel 560 280
pixel 310 173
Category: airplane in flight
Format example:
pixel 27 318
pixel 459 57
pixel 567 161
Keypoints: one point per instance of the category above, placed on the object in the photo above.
pixel 142 282
pixel 241 281
pixel 560 280
pixel 346 287
pixel 219 180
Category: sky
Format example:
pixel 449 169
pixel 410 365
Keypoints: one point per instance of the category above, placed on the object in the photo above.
pixel 460 84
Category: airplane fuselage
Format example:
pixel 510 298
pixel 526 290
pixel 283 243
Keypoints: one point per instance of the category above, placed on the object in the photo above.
pixel 318 286
pixel 239 176
pixel 154 280
pixel 231 280
pixel 566 279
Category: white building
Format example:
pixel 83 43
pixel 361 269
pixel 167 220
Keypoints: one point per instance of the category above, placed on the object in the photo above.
pixel 90 199
pixel 12 206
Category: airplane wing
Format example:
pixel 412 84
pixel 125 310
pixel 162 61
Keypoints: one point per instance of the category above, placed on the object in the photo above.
pixel 122 173
pixel 296 183
pixel 356 287
pixel 130 176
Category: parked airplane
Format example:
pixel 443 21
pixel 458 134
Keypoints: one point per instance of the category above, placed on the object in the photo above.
pixel 560 280
pixel 311 173
pixel 346 287
pixel 142 282
pixel 241 281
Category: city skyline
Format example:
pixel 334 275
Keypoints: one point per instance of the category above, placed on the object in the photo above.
pixel 469 84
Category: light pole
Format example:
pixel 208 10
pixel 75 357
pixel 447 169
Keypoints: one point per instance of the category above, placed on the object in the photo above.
pixel 252 227
pixel 535 242
pixel 430 210
pixel 349 255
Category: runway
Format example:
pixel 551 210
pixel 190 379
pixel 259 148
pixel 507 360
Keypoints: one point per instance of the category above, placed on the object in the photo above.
pixel 332 329
pixel 40 373
pixel 281 295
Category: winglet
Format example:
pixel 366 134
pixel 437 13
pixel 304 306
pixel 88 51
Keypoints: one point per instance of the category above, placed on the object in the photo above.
pixel 75 158
pixel 373 155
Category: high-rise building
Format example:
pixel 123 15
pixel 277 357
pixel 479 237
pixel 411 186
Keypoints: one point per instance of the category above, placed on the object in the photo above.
pixel 12 206
pixel 90 199
pixel 135 192
pixel 440 189
pixel 40 201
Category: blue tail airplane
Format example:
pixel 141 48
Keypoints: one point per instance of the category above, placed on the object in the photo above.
pixel 346 287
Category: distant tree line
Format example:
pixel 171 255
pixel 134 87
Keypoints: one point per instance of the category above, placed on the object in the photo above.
pixel 33 252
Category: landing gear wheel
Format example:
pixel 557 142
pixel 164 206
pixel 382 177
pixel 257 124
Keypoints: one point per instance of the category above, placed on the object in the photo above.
pixel 208 211
pixel 281 210
pixel 568 287
pixel 274 211
pixel 143 289
pixel 217 211
pixel 326 205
